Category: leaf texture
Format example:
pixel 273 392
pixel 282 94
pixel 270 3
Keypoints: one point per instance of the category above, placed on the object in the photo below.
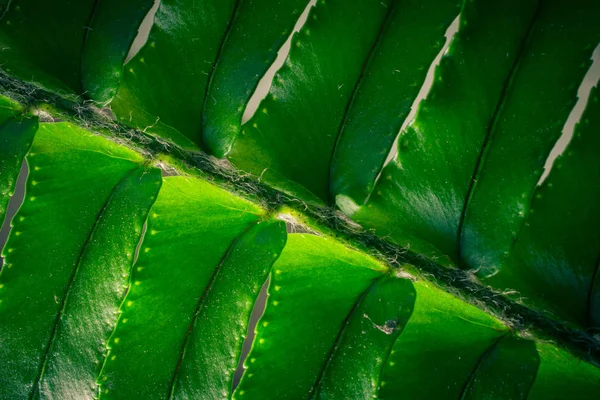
pixel 119 283
pixel 67 260
pixel 180 330
pixel 42 41
pixel 16 135
pixel 359 331
pixel 328 62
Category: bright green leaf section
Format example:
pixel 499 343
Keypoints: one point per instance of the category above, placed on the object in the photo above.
pixel 259 29
pixel 164 85
pixel 8 108
pixel 562 376
pixel 390 83
pixel 203 260
pixel 555 258
pixel 530 119
pixel 16 136
pixel 421 193
pixel 42 41
pixel 293 133
pixel 367 339
pixel 439 349
pixel 506 371
pixel 112 30
pixel 318 287
pixel 67 261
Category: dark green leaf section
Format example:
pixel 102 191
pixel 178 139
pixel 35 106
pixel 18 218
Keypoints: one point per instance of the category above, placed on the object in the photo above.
pixel 561 376
pixel 309 97
pixel 594 299
pixel 317 288
pixel 16 135
pixel 506 371
pixel 3 7
pixel 43 40
pixel 67 261
pixel 112 30
pixel 386 92
pixel 203 260
pixel 258 31
pixel 422 192
pixel 439 348
pixel 164 85
pixel 555 258
pixel 529 121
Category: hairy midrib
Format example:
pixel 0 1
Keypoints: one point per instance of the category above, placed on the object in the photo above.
pixel 463 283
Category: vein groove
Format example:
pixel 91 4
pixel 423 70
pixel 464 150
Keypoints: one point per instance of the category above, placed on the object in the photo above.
pixel 469 380
pixel 36 384
pixel 357 85
pixel 488 137
pixel 205 294
pixel 341 332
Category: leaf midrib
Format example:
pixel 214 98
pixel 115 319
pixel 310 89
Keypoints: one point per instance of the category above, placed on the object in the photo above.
pixel 85 115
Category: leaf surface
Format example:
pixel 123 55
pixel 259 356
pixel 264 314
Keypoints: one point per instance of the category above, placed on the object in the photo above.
pixel 562 376
pixel 529 121
pixel 257 32
pixel 16 135
pixel 112 30
pixel 67 261
pixel 309 96
pixel 201 265
pixel 358 332
pixel 43 40
pixel 554 260
pixel 385 94
pixel 319 294
pixel 183 45
pixel 421 193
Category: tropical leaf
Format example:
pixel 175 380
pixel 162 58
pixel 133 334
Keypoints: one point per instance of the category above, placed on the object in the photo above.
pixel 136 258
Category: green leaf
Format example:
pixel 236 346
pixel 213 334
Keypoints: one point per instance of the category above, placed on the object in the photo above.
pixel 187 34
pixel 337 325
pixel 529 121
pixel 112 30
pixel 318 294
pixel 421 193
pixel 257 31
pixel 555 258
pixel 16 136
pixel 561 376
pixel 43 40
pixel 388 87
pixel 439 348
pixel 333 72
pixel 67 261
pixel 309 96
pixel 192 291
pixel 511 359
